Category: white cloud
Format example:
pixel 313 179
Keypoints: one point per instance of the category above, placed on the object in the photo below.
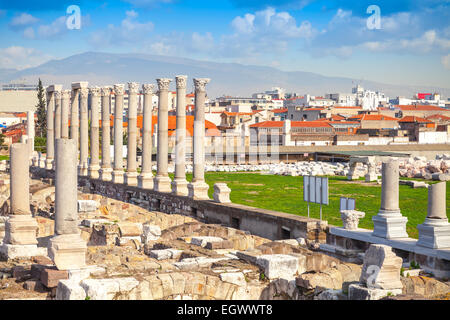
pixel 445 60
pixel 21 58
pixel 28 33
pixel 22 21
pixel 53 30
pixel 130 31
pixel 269 22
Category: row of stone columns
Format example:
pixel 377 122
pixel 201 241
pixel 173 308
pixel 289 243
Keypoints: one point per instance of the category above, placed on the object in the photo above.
pixel 58 115
pixel 434 233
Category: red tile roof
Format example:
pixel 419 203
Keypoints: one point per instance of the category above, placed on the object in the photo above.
pixel 419 108
pixel 294 124
pixel 280 110
pixel 414 119
pixel 372 117
pixel 438 116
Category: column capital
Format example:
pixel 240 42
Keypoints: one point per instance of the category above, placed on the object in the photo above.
pixel 119 89
pixel 95 91
pixel 200 83
pixel 181 82
pixel 65 94
pixel 133 88
pixel 163 84
pixel 58 94
pixel 84 93
pixel 148 88
pixel 105 91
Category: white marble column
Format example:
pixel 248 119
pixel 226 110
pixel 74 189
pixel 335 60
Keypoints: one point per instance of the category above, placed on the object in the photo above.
pixel 106 170
pixel 145 180
pixel 198 188
pixel 119 90
pixel 65 101
pixel 94 164
pixel 49 161
pixel 75 111
pixel 131 175
pixel 162 180
pixel 57 120
pixel 179 184
pixel 84 133
pixel 389 223
pixel 21 227
pixel 434 233
pixel 66 248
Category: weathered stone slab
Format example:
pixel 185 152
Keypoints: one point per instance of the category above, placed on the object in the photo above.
pixel 165 254
pixel 150 233
pixel 358 292
pixel 236 278
pixel 70 290
pixel 203 241
pixel 278 265
pixel 88 205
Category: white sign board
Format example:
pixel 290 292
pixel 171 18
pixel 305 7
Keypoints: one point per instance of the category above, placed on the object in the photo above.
pixel 315 189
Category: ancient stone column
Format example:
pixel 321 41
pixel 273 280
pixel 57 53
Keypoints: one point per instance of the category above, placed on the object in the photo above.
pixel 30 130
pixel 179 184
pixel 145 180
pixel 49 161
pixel 84 133
pixel 119 90
pixel 106 170
pixel 75 111
pixel 198 189
pixel 65 100
pixel 57 120
pixel 66 248
pixel 434 233
pixel 94 164
pixel 20 228
pixel 131 175
pixel 162 180
pixel 389 223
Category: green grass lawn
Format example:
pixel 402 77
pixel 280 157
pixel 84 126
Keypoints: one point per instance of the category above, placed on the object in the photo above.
pixel 285 194
pixel 4 158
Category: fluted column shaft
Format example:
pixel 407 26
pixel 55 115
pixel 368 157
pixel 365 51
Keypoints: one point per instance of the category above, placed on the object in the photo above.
pixel 162 180
pixel 106 170
pixel 198 189
pixel 199 130
pixel 179 185
pixel 57 120
pixel 65 101
pixel 74 119
pixel 118 134
pixel 84 132
pixel 50 130
pixel 131 176
pixel 145 180
pixel 94 164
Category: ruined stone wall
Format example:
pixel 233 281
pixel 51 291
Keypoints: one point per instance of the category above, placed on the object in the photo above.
pixel 264 223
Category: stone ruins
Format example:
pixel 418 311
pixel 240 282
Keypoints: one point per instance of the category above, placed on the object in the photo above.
pixel 77 226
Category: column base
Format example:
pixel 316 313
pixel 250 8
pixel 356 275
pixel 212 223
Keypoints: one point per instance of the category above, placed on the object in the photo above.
pixel 162 184
pixel 145 181
pixel 389 225
pixel 83 170
pixel 49 164
pixel 434 234
pixel 198 190
pixel 68 251
pixel 106 174
pixel 13 251
pixel 179 187
pixel 94 171
pixel 21 230
pixel 131 178
pixel 117 176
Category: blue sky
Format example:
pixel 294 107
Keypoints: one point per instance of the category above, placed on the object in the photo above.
pixel 323 36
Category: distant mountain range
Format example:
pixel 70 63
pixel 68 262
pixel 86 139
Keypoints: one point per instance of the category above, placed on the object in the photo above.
pixel 226 78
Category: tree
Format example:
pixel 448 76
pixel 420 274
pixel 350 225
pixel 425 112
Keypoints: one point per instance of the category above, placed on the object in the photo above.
pixel 41 126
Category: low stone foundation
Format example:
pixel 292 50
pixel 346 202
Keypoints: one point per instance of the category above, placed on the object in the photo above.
pixel 264 223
